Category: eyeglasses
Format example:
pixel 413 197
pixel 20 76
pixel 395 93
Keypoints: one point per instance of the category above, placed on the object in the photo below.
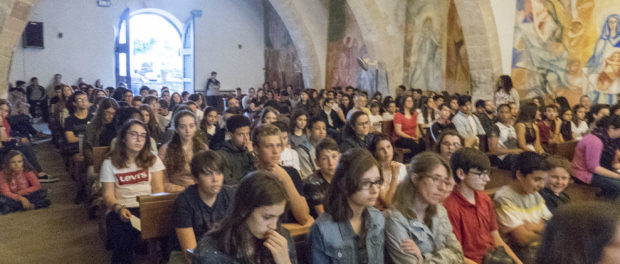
pixel 436 179
pixel 365 185
pixel 367 123
pixel 448 144
pixel 137 135
pixel 480 174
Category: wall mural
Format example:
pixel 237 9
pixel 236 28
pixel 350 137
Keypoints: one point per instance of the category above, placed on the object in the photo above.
pixel 282 65
pixel 348 59
pixel 567 47
pixel 425 44
pixel 457 77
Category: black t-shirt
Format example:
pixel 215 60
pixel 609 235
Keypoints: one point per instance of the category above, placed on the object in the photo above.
pixel 76 125
pixel 299 185
pixel 191 211
pixel 315 188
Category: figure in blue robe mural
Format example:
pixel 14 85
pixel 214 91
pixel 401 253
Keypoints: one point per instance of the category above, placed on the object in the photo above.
pixel 602 65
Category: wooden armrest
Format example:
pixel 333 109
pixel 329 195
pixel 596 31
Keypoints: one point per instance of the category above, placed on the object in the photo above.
pixel 296 229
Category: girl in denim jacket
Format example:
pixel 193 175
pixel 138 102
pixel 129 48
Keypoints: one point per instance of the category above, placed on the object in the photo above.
pixel 351 229
pixel 417 228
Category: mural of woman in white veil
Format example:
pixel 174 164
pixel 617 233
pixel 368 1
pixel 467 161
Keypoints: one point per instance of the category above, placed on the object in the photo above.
pixel 426 69
pixel 603 66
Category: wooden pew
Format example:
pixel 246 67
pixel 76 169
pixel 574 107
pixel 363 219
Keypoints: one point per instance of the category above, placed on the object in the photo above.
pixel 99 157
pixel 156 214
pixel 565 149
pixel 156 222
pixel 387 128
pixel 483 143
pixel 499 178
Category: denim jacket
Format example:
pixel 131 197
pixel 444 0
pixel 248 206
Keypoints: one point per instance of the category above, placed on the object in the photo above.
pixel 437 244
pixel 333 242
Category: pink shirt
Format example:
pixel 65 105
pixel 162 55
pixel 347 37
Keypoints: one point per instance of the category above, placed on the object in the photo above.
pixel 22 184
pixel 7 127
pixel 587 157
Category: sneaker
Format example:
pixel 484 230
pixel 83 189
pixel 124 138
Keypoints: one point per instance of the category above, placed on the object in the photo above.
pixel 47 178
pixel 41 135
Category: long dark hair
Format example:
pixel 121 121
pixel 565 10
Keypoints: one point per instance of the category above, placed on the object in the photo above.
pixel 375 141
pixel 351 166
pixel 575 118
pixel 504 83
pixel 119 156
pixel 257 189
pixel 349 127
pixel 152 125
pixel 203 122
pixel 426 109
pixel 293 122
pixel 175 157
pixel 106 103
pixel 578 233
pixel 346 108
pixel 402 105
pixel 527 113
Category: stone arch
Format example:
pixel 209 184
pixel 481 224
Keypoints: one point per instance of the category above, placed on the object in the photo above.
pixel 382 27
pixel 482 44
pixel 13 17
pixel 302 40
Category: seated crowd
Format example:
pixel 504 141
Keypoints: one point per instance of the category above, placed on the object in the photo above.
pixel 396 180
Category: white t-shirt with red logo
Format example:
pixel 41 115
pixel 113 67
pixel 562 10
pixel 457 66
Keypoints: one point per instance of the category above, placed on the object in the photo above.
pixel 129 182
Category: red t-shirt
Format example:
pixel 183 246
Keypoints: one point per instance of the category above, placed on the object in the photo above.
pixel 472 224
pixel 545 131
pixel 408 126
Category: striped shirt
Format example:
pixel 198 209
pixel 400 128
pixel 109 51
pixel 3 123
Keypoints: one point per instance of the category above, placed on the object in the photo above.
pixel 513 209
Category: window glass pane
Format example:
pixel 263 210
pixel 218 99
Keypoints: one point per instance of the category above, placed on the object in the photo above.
pixel 122 34
pixel 122 64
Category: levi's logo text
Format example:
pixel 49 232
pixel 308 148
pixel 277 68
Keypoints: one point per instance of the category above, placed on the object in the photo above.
pixel 132 177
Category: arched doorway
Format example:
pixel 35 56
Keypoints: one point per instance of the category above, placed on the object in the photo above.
pixel 155 49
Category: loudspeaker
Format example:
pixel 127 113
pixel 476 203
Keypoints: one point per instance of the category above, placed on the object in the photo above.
pixel 33 35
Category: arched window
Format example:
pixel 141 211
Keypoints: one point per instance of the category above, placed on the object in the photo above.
pixel 154 49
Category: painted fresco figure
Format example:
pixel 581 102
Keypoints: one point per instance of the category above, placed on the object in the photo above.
pixel 603 65
pixel 543 52
pixel 426 70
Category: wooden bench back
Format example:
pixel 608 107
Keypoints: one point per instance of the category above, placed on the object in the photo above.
pixel 156 214
pixel 387 128
pixel 483 143
pixel 565 149
pixel 99 156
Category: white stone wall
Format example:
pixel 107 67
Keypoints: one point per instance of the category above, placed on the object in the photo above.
pixel 87 47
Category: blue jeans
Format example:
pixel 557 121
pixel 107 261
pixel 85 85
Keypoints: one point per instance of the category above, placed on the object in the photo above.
pixel 610 187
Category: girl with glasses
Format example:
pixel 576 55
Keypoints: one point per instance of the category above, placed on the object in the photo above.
pixel 351 229
pixel 417 228
pixel 130 170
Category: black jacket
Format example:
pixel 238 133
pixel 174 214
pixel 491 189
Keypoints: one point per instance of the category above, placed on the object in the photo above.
pixel 239 162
